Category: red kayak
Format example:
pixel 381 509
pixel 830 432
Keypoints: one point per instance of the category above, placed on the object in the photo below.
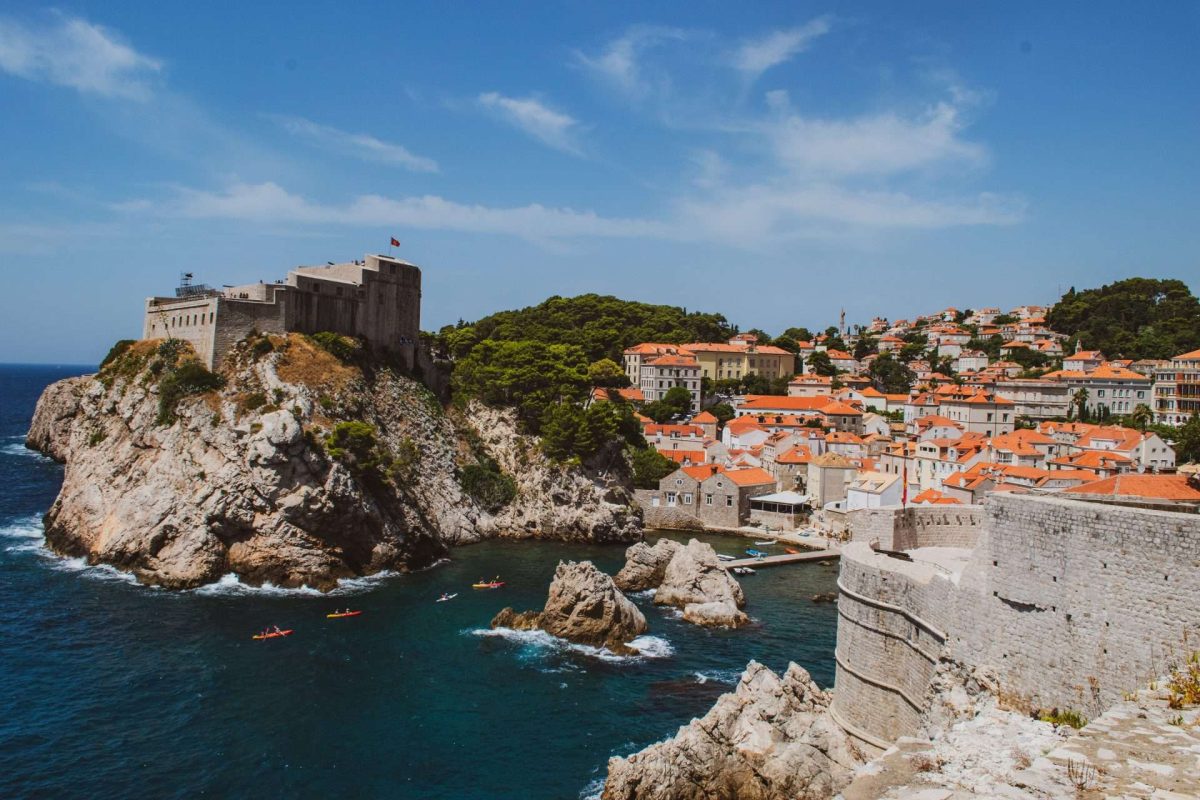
pixel 342 614
pixel 273 634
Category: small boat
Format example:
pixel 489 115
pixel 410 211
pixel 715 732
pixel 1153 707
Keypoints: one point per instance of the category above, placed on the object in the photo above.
pixel 724 557
pixel 492 585
pixel 750 551
pixel 272 634
pixel 743 571
pixel 768 542
pixel 342 614
pixel 791 550
pixel 446 597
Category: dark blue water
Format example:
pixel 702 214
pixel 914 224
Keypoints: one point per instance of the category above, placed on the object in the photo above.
pixel 110 689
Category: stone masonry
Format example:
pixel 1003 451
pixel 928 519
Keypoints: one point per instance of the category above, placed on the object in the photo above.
pixel 1066 603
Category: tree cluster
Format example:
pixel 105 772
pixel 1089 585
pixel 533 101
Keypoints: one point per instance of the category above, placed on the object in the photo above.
pixel 1132 318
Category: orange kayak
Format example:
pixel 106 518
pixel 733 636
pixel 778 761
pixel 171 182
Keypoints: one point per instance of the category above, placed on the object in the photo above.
pixel 342 614
pixel 793 552
pixel 272 635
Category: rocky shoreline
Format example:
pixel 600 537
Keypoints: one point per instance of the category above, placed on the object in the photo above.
pixel 299 470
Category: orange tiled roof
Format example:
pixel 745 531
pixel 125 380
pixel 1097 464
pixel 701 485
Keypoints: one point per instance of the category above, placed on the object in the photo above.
pixel 1155 487
pixel 694 456
pixel 751 476
pixel 703 417
pixel 674 361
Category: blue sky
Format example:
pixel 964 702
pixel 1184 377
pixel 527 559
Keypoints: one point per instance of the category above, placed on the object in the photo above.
pixel 771 162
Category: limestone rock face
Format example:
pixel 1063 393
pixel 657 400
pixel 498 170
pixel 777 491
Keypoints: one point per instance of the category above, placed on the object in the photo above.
pixel 239 481
pixel 584 606
pixel 770 739
pixel 645 565
pixel 553 501
pixel 695 581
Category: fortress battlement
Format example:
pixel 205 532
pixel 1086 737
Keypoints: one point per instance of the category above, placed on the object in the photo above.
pixel 377 300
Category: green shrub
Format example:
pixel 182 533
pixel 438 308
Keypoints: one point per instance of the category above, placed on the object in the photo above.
pixel 343 348
pixel 261 346
pixel 649 467
pixel 356 444
pixel 278 394
pixel 186 379
pixel 1183 685
pixel 253 401
pixel 1065 716
pixel 405 460
pixel 488 486
pixel 116 351
pixel 98 436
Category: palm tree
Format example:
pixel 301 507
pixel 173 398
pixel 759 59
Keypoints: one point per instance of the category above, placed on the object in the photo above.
pixel 1080 399
pixel 1141 417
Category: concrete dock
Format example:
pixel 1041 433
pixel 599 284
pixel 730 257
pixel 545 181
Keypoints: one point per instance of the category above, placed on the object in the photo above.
pixel 783 558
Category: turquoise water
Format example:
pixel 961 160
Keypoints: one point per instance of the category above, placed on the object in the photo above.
pixel 110 689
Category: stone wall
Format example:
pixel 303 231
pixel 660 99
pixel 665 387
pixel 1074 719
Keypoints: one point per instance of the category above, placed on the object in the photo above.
pixel 237 318
pixel 664 516
pixel 917 526
pixel 1070 604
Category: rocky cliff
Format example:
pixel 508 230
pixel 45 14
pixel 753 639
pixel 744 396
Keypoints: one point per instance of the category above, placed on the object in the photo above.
pixel 770 739
pixel 583 606
pixel 296 468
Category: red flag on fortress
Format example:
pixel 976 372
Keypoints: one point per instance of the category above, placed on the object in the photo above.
pixel 395 242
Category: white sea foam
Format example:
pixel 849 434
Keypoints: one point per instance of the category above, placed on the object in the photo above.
pixel 647 646
pixel 718 676
pixel 19 449
pixel 647 594
pixel 230 585
pixel 593 791
pixel 25 528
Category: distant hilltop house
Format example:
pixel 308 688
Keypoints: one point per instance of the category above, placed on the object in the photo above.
pixel 377 299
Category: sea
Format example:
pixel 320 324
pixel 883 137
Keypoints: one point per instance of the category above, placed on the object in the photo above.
pixel 109 689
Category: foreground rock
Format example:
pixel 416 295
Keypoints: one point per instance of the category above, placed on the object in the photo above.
pixel 695 581
pixel 771 739
pixel 183 487
pixel 645 565
pixel 585 607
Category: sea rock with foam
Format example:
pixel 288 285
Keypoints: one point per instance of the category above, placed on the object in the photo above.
pixel 645 565
pixel 240 480
pixel 695 581
pixel 770 739
pixel 584 606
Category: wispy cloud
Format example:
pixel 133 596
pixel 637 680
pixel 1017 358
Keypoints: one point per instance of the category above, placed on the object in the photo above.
pixel 530 115
pixel 619 62
pixel 751 217
pixel 756 56
pixel 880 144
pixel 75 53
pixel 356 145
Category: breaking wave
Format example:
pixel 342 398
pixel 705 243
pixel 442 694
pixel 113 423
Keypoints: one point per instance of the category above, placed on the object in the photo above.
pixel 230 585
pixel 647 646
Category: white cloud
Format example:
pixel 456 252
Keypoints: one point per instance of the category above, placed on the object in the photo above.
pixel 750 218
pixel 756 56
pixel 269 202
pixel 882 144
pixel 551 127
pixel 77 54
pixel 357 145
pixel 764 213
pixel 619 62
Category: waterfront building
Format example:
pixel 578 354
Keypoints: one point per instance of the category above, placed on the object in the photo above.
pixel 1177 389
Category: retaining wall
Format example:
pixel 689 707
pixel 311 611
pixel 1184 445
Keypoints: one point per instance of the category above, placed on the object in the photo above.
pixel 1070 603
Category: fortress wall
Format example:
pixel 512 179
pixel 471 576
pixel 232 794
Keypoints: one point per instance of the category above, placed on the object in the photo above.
pixel 194 321
pixel 1071 604
pixel 236 319
pixel 892 620
pixel 1083 601
pixel 917 526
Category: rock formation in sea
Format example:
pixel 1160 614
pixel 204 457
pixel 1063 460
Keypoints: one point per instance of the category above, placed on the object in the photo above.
pixel 770 739
pixel 645 565
pixel 695 580
pixel 584 606
pixel 295 468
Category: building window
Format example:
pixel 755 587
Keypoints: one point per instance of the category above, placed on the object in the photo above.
pixel 671 498
pixel 687 498
pixel 708 499
pixel 679 481
pixel 729 500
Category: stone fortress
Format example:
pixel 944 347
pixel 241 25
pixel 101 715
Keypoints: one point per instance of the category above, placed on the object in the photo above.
pixel 1061 602
pixel 377 299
